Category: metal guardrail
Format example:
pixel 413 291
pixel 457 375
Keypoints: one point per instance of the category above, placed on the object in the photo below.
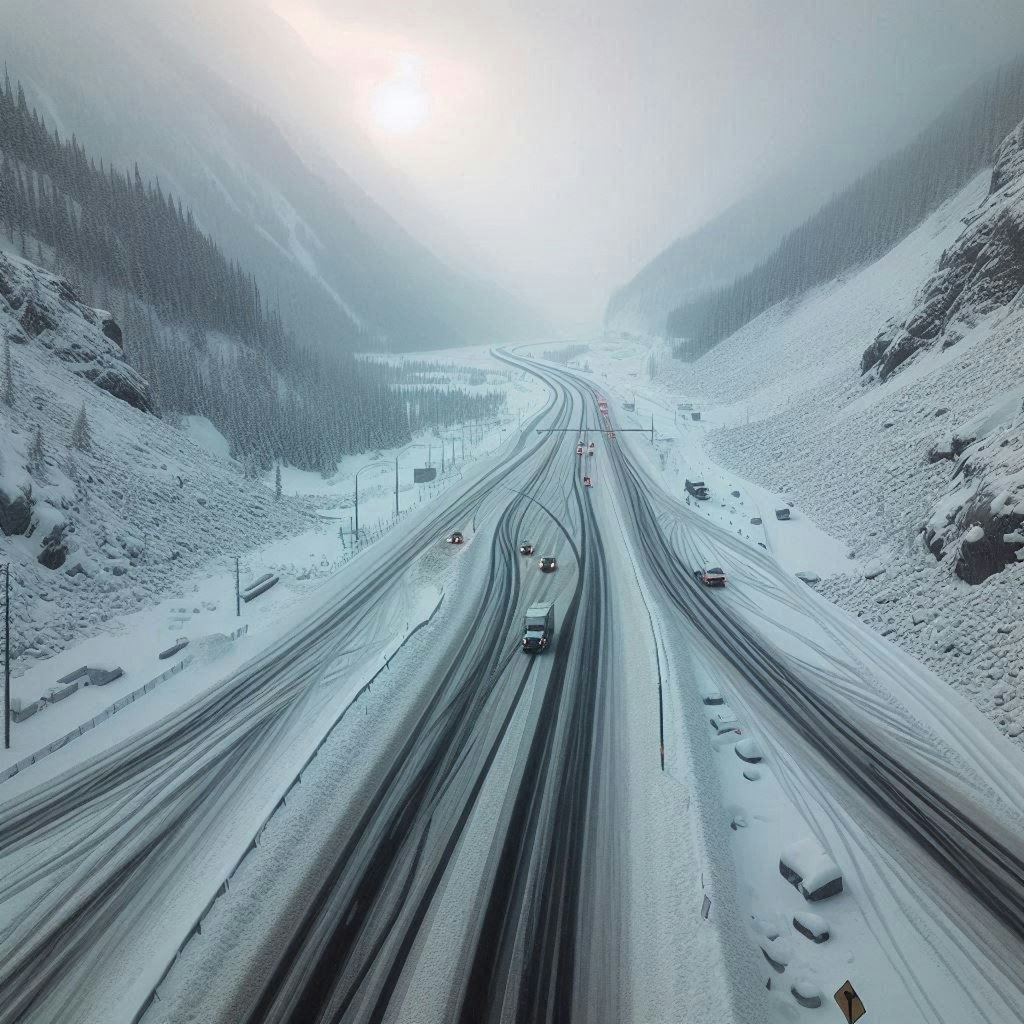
pixel 102 716
pixel 197 924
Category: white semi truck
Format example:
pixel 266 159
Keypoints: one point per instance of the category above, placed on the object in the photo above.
pixel 538 627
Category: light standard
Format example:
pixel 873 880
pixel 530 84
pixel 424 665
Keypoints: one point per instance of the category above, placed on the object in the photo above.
pixel 369 465
pixel 415 444
pixel 7 656
pixel 452 439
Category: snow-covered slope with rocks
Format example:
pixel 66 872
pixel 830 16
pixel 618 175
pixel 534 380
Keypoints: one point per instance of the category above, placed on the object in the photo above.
pixel 929 455
pixel 98 529
pixel 976 292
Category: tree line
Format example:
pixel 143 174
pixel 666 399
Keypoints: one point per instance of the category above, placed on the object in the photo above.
pixel 136 250
pixel 866 220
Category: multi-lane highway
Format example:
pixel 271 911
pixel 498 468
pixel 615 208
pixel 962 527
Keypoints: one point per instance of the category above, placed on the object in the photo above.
pixel 507 847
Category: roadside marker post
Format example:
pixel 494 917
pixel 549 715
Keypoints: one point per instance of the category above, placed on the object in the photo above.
pixel 849 1002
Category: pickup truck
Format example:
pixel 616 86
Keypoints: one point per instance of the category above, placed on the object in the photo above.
pixel 538 627
pixel 698 489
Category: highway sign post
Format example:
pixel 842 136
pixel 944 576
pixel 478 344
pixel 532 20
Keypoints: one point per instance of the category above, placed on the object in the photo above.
pixel 849 1002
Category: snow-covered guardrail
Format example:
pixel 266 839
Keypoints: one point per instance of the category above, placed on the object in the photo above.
pixel 197 924
pixel 102 716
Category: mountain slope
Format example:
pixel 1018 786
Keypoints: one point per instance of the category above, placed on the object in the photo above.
pixel 865 220
pixel 338 268
pixel 710 258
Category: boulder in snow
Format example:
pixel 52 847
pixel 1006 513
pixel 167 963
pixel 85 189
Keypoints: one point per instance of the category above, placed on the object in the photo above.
pixel 747 750
pixel 806 994
pixel 807 866
pixel 811 926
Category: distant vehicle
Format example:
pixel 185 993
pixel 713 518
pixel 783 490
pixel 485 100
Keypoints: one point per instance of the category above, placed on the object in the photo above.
pixel 526 548
pixel 548 563
pixel 713 577
pixel 538 627
pixel 579 449
pixel 712 696
pixel 602 406
pixel 611 435
pixel 698 489
pixel 454 538
pixel 592 444
pixel 586 482
pixel 782 513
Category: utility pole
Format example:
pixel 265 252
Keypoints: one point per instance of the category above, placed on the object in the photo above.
pixel 7 656
pixel 652 428
pixel 396 486
pixel 238 590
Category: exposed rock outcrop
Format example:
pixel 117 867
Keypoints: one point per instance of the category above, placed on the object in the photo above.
pixel 982 273
pixel 43 309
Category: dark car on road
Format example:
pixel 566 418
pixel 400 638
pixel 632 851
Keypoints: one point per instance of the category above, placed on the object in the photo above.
pixel 526 548
pixel 454 538
pixel 548 563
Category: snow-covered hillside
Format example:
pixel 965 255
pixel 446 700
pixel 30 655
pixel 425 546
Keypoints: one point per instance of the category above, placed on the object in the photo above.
pixel 99 521
pixel 927 461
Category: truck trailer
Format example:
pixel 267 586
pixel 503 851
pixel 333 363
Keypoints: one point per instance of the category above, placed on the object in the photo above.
pixel 538 627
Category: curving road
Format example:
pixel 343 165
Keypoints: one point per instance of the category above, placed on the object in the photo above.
pixel 512 853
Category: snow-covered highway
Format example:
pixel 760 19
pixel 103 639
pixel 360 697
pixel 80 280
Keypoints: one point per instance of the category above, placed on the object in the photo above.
pixel 499 842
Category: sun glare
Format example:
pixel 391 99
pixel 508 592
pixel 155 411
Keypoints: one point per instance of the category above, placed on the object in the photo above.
pixel 400 105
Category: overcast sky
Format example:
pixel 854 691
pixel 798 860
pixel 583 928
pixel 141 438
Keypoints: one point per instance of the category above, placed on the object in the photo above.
pixel 564 143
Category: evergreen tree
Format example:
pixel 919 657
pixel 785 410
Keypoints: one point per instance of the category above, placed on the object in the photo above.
pixel 81 434
pixel 277 482
pixel 37 453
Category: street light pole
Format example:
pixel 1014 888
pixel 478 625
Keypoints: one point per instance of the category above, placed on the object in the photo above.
pixel 7 656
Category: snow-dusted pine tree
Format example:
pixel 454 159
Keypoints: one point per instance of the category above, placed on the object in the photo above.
pixel 37 453
pixel 81 433
pixel 277 482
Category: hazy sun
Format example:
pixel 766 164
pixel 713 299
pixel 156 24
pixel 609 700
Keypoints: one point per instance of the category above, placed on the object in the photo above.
pixel 400 105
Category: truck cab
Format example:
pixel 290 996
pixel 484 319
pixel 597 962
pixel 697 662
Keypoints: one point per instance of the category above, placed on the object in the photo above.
pixel 538 627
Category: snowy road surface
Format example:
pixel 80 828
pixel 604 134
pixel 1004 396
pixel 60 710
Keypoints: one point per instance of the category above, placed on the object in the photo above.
pixel 502 845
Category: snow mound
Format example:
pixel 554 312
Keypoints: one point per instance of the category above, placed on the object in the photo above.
pixel 807 866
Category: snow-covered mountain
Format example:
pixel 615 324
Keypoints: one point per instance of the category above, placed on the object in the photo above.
pixel 334 263
pixel 976 295
pixel 918 468
pixel 103 505
pixel 713 256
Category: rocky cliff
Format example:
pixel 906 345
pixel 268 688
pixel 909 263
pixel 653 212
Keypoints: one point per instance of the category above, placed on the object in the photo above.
pixel 981 275
pixel 976 292
pixel 37 308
